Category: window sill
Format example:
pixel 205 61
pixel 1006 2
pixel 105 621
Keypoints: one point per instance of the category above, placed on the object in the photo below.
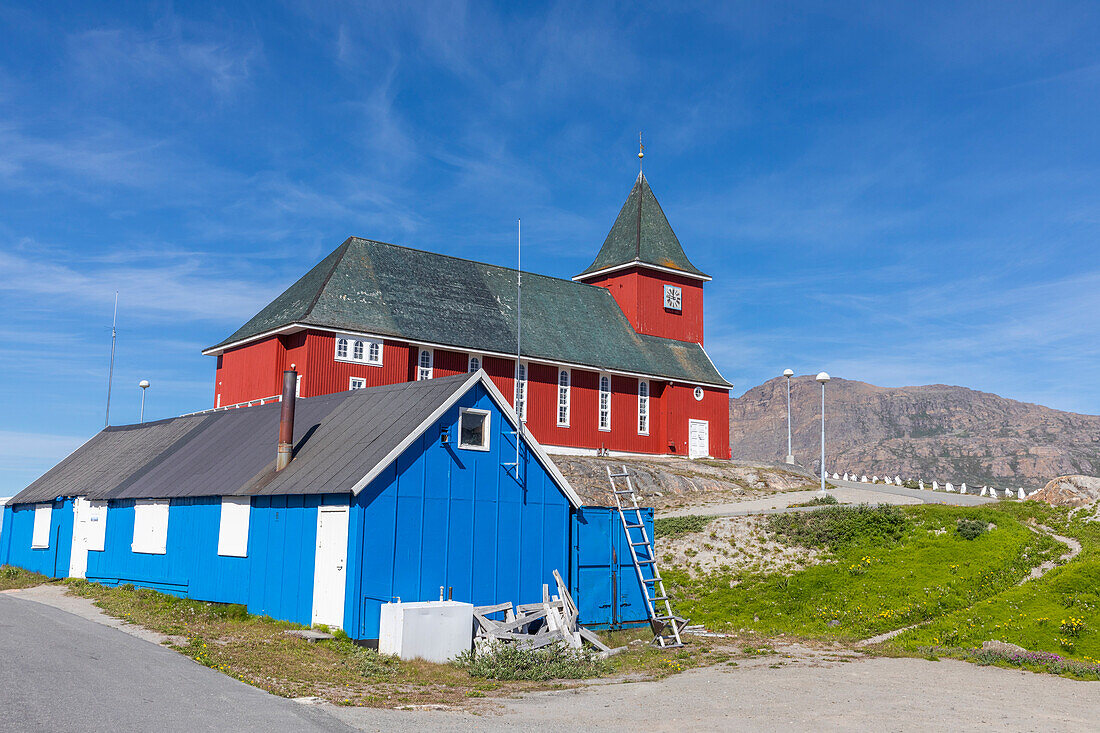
pixel 364 362
pixel 143 551
pixel 481 448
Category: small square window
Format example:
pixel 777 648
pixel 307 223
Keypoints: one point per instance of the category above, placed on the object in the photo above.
pixel 357 383
pixel 673 297
pixel 473 430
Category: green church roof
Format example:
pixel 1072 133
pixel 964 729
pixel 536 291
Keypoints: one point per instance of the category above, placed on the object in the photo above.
pixel 641 234
pixel 388 290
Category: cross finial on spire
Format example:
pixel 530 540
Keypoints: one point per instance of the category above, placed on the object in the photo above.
pixel 641 152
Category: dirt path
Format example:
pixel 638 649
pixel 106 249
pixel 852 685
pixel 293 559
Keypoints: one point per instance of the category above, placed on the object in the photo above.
pixel 1036 572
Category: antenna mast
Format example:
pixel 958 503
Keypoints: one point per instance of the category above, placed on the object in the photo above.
pixel 111 371
pixel 519 328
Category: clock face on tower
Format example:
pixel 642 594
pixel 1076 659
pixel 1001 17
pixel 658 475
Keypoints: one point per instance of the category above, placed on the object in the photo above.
pixel 672 297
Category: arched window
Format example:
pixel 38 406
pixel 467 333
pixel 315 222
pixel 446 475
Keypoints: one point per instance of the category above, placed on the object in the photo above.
pixel 605 402
pixel 563 398
pixel 357 351
pixel 425 370
pixel 643 407
pixel 374 353
pixel 474 365
pixel 341 348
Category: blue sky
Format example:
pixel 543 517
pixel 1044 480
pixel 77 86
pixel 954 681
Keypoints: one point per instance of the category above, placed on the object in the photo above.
pixel 896 193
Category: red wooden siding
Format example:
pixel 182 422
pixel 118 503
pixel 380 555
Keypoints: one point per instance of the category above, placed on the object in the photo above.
pixel 248 372
pixel 640 293
pixel 254 371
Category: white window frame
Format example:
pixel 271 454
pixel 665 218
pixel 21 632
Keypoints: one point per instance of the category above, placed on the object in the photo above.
pixel 698 393
pixel 352 383
pixel 604 407
pixel 486 429
pixel 674 298
pixel 43 527
pixel 359 350
pixel 425 372
pixel 562 406
pixel 471 360
pixel 519 396
pixel 151 526
pixel 233 526
pixel 643 407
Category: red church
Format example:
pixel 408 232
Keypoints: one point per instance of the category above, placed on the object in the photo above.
pixel 612 361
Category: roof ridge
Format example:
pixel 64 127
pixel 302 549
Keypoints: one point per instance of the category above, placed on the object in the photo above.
pixel 476 262
pixel 324 283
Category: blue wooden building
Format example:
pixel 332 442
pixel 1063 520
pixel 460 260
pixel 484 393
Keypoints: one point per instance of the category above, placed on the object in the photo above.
pixel 392 492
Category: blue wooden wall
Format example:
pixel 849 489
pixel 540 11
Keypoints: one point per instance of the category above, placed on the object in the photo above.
pixel 15 542
pixel 604 582
pixel 191 565
pixel 444 516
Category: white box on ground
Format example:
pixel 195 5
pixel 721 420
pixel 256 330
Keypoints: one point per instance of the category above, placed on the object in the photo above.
pixel 436 631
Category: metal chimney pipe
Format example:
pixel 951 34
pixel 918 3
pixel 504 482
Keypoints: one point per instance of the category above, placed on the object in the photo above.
pixel 286 420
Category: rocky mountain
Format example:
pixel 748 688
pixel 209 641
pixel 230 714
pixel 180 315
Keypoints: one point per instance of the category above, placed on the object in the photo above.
pixel 931 432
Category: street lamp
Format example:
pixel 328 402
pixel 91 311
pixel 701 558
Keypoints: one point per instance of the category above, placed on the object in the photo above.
pixel 823 378
pixel 144 384
pixel 790 454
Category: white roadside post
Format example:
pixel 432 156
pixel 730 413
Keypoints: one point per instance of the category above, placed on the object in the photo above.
pixel 822 377
pixel 788 374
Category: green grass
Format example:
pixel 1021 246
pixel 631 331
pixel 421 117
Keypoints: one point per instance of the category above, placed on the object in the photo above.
pixel 672 527
pixel 12 578
pixel 908 566
pixel 1032 614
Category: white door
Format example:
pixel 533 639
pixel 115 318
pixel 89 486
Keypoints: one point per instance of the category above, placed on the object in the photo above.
pixel 698 438
pixel 78 559
pixel 330 569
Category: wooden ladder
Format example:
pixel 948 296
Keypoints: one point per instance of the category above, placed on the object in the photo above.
pixel 666 625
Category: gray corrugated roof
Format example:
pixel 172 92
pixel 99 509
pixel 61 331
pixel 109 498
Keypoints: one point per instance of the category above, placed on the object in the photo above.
pixel 388 290
pixel 339 438
pixel 641 233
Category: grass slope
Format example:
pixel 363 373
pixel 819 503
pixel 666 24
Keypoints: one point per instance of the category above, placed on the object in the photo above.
pixel 883 575
pixel 1059 613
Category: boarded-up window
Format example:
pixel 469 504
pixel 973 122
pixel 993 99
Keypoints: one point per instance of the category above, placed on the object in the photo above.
pixel 150 527
pixel 233 532
pixel 97 525
pixel 40 535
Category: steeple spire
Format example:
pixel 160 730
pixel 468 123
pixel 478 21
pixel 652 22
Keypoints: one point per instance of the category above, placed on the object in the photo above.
pixel 641 152
pixel 641 235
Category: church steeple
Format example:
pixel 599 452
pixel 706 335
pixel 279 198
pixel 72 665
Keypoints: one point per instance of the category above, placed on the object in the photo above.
pixel 641 236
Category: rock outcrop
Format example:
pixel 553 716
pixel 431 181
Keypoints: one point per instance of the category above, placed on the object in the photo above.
pixel 1070 491
pixel 930 432
pixel 667 482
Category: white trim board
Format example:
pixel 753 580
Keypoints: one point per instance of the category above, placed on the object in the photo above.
pixel 639 263
pixel 296 327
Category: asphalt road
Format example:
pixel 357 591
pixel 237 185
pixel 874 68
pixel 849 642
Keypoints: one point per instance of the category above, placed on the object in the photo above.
pixel 927 496
pixel 60 672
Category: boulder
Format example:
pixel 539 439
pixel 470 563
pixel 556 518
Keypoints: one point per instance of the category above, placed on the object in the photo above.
pixel 1074 490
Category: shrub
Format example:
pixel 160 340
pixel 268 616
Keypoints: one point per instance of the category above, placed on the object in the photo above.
pixel 839 526
pixel 826 500
pixel 672 527
pixel 371 664
pixel 509 662
pixel 970 529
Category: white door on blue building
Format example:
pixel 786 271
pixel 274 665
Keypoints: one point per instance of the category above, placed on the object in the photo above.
pixel 78 557
pixel 330 569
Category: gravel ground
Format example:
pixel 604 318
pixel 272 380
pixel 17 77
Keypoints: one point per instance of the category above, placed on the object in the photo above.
pixel 798 689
